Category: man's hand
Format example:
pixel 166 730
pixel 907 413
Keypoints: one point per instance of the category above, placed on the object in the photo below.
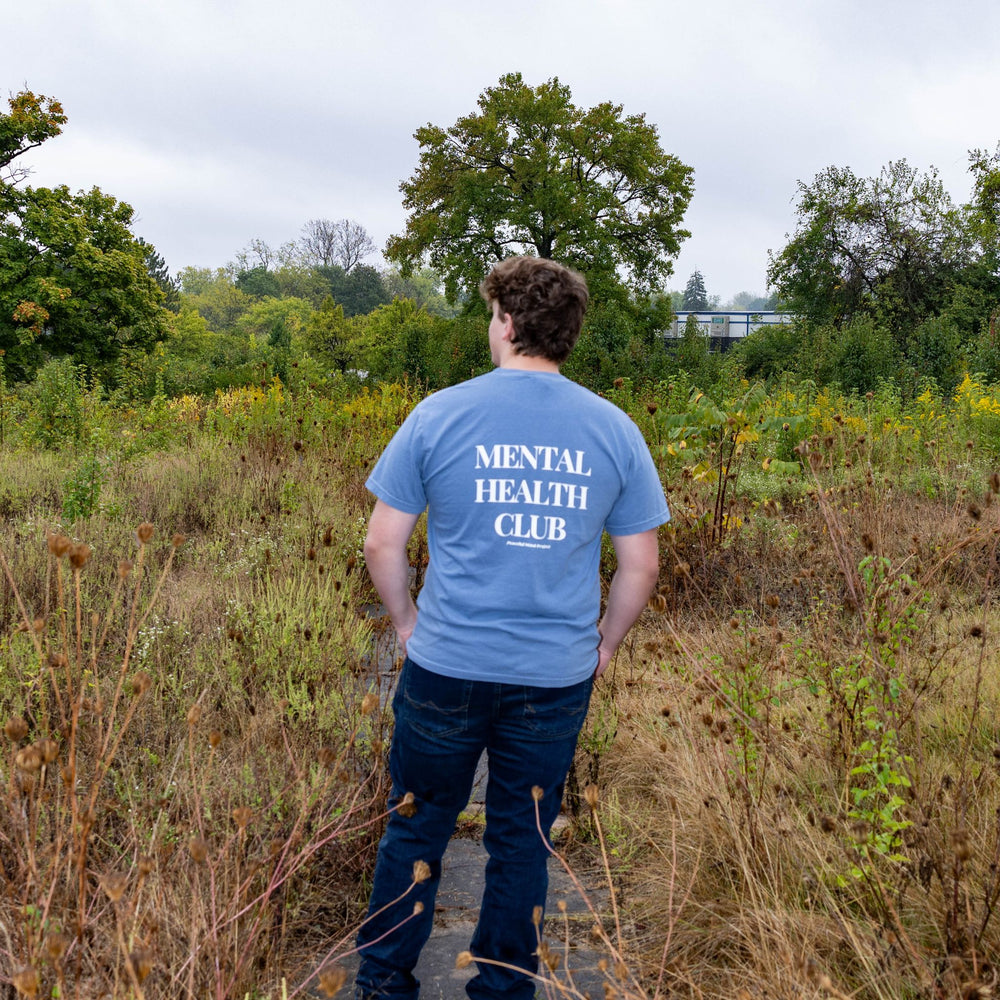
pixel 603 659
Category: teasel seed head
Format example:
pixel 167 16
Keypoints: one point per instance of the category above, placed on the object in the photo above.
pixel 464 960
pixel 114 885
pixel 79 554
pixel 141 683
pixel 29 759
pixel 960 844
pixel 25 981
pixel 421 872
pixel 328 536
pixel 142 963
pixel 194 714
pixel 332 979
pixel 198 849
pixel 536 916
pixel 144 533
pixel 214 738
pixel 592 796
pixel 59 545
pixel 15 729
pixel 418 908
pixel 49 750
pixel 242 816
pixel 408 806
pixel 178 540
pixel 537 793
pixel 369 703
pixel 55 947
pixel 145 865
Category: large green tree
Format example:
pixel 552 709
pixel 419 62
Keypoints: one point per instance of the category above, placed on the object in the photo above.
pixel 530 172
pixel 74 279
pixel 890 247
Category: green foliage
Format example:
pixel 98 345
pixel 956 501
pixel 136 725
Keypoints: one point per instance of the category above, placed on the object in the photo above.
pixel 883 247
pixel 213 293
pixel 74 280
pixel 531 172
pixel 770 350
pixel 57 405
pixel 861 355
pixel 695 295
pixel 82 488
pixel 358 291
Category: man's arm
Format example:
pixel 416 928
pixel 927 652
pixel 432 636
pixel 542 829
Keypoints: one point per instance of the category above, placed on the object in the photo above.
pixel 633 582
pixel 389 531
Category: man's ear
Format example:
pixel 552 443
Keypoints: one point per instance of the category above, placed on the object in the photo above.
pixel 508 327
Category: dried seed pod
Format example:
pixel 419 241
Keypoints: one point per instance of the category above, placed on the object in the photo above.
pixel 25 981
pixel 144 533
pixel 242 816
pixel 15 729
pixel 55 947
pixel 464 960
pixel 421 871
pixel 29 759
pixel 124 569
pixel 214 738
pixel 142 963
pixel 114 885
pixel 178 540
pixel 141 683
pixel 592 797
pixel 407 806
pixel 194 714
pixel 369 703
pixel 79 555
pixel 198 849
pixel 49 750
pixel 59 545
pixel 332 979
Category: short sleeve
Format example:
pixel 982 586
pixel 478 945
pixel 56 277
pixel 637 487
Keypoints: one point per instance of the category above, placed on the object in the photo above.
pixel 397 478
pixel 641 505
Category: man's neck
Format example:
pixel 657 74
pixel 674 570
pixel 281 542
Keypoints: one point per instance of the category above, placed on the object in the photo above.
pixel 528 363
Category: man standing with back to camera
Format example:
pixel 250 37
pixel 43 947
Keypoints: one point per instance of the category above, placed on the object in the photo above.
pixel 520 471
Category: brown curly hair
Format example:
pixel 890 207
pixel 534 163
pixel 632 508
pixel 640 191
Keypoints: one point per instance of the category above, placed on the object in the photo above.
pixel 545 301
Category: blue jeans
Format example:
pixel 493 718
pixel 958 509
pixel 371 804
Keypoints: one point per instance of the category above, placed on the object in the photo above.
pixel 442 725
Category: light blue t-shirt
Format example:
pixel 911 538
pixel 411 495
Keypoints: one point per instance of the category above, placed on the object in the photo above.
pixel 520 473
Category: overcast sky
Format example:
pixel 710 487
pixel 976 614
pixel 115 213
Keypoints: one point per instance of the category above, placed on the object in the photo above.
pixel 224 120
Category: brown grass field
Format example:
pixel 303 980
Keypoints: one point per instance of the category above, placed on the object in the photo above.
pixel 790 771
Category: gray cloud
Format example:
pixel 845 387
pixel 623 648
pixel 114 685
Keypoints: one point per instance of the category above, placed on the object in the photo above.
pixel 225 122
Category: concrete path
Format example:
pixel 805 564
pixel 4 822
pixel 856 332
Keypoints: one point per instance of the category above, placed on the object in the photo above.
pixel 566 931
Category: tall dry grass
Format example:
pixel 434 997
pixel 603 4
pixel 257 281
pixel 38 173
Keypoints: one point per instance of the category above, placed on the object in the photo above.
pixel 193 782
pixel 805 759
